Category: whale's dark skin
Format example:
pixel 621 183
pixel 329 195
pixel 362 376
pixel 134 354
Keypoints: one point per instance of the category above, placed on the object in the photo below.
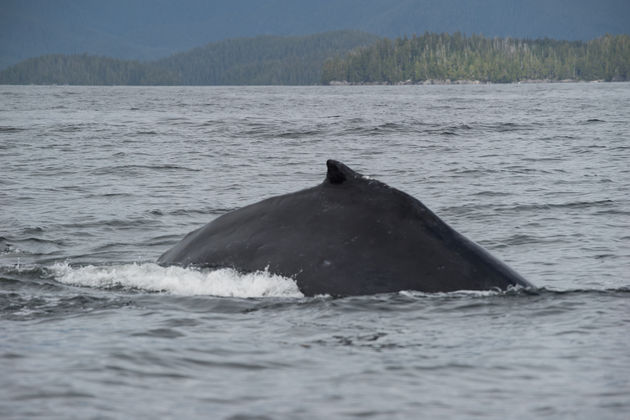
pixel 349 235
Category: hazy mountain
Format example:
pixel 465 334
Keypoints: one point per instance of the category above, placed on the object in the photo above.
pixel 142 29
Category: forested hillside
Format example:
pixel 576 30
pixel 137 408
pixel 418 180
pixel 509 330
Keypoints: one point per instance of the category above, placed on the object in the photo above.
pixel 83 69
pixel 263 60
pixel 498 60
pixel 344 56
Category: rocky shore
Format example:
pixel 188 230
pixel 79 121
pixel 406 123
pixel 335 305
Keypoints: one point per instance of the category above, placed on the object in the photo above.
pixel 456 82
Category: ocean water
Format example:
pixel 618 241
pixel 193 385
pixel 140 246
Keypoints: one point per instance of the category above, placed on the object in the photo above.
pixel 97 182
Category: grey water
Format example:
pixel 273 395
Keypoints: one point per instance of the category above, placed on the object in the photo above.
pixel 97 182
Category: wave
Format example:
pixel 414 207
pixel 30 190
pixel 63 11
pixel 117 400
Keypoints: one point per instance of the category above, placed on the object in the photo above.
pixel 205 210
pixel 151 277
pixel 136 169
pixel 516 207
pixel 297 134
pixel 9 129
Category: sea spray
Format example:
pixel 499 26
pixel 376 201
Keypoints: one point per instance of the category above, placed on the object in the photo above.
pixel 177 280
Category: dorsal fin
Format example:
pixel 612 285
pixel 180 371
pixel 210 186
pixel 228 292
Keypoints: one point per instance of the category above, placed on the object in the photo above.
pixel 338 173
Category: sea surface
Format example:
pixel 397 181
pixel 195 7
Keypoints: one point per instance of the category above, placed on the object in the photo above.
pixel 97 182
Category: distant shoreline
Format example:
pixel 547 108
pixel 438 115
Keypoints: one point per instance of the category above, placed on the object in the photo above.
pixel 338 84
pixel 466 82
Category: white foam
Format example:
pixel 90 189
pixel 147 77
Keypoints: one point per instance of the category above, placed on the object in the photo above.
pixel 11 250
pixel 462 293
pixel 177 280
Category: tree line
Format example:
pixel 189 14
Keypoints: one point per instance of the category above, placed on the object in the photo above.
pixel 477 58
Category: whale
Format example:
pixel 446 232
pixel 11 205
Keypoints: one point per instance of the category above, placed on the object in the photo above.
pixel 350 235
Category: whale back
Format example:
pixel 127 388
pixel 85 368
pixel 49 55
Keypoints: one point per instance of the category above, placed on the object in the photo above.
pixel 350 235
